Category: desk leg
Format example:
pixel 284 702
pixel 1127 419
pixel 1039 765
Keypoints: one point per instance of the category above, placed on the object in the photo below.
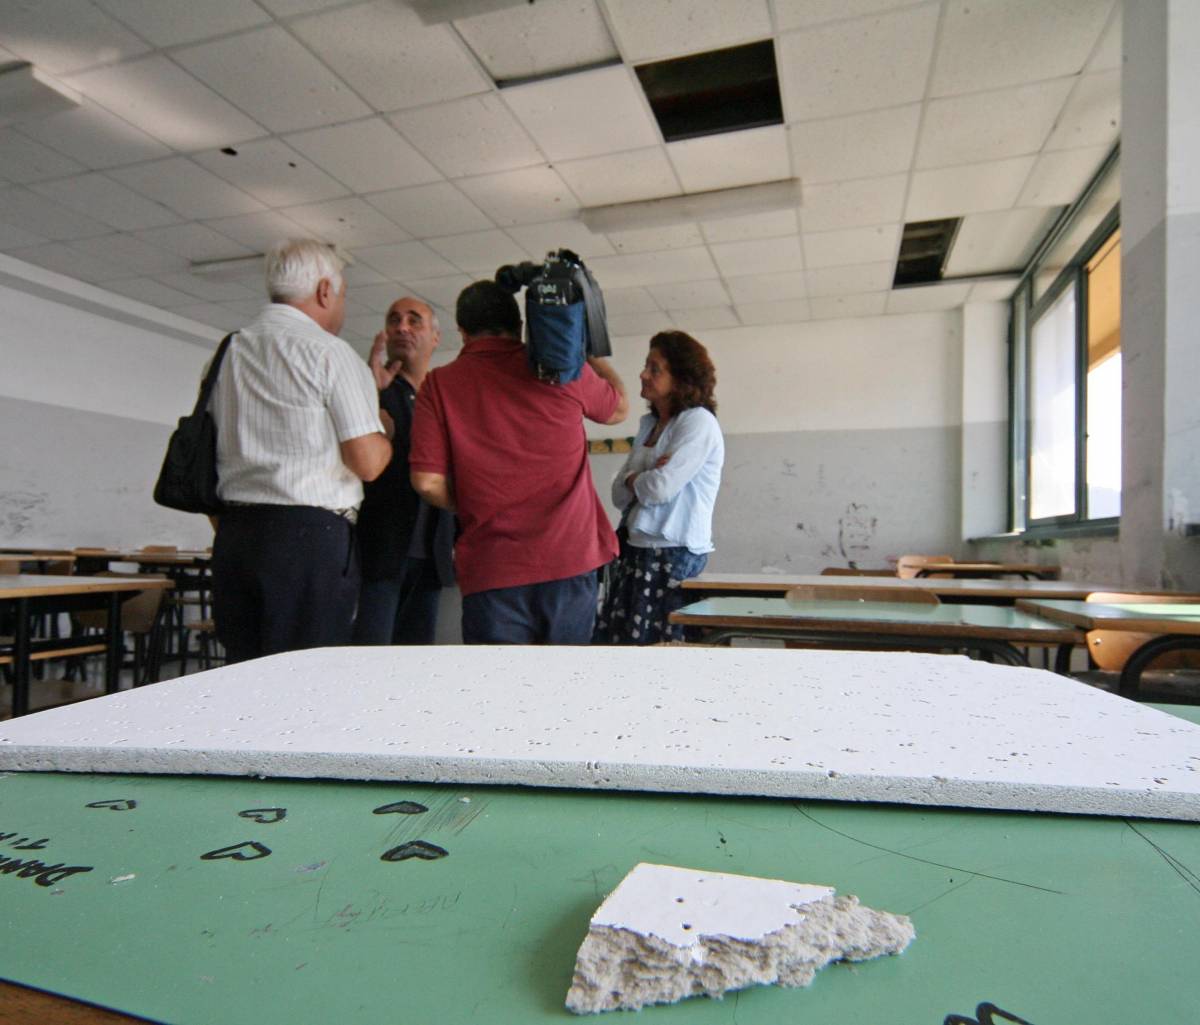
pixel 1002 651
pixel 20 701
pixel 112 655
pixel 1131 675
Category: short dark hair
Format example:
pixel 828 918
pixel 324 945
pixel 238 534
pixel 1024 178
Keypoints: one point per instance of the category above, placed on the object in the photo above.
pixel 484 308
pixel 691 369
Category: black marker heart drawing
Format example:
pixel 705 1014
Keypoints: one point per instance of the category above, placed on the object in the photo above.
pixel 400 808
pixel 415 849
pixel 114 805
pixel 248 850
pixel 264 815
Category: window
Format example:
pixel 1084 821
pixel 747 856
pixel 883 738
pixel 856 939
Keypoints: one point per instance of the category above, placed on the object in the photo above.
pixel 1066 368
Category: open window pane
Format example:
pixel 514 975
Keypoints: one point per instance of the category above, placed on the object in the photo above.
pixel 1104 380
pixel 1052 410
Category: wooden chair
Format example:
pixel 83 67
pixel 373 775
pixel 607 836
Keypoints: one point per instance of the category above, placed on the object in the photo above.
pixel 1110 649
pixel 907 566
pixel 209 650
pixel 141 618
pixel 834 592
pixel 845 571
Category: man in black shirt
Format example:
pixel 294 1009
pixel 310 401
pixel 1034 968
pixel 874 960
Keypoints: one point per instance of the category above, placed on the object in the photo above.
pixel 405 544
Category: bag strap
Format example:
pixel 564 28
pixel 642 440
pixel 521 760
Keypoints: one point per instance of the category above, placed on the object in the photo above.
pixel 210 379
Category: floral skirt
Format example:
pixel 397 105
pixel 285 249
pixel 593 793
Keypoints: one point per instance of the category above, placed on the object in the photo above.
pixel 643 589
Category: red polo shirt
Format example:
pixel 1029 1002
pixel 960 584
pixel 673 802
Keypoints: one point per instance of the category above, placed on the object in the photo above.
pixel 515 451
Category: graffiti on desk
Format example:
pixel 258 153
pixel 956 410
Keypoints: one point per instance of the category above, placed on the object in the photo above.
pixel 40 872
pixel 985 1014
pixel 125 804
pixel 264 815
pixel 247 850
pixel 415 849
pixel 382 908
pixel 400 808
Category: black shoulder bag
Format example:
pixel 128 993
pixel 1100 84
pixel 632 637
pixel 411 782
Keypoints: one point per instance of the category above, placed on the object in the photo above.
pixel 188 478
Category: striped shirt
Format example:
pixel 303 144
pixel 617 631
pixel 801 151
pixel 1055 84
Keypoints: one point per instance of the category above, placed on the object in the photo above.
pixel 287 394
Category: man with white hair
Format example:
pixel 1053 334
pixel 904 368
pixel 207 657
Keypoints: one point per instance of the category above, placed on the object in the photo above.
pixel 298 431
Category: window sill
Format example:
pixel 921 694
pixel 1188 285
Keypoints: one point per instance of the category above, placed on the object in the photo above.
pixel 1055 531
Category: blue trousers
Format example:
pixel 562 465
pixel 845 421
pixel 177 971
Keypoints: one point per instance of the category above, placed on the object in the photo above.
pixel 552 612
pixel 400 610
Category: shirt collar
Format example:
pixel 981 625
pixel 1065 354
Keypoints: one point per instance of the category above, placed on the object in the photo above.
pixel 492 343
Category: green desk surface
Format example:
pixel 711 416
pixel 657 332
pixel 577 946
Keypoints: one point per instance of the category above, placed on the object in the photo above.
pixel 1061 920
pixel 994 621
pixel 1152 616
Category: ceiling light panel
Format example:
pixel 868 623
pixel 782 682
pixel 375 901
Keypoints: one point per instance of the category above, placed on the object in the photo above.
pixel 247 69
pixel 389 57
pixel 851 66
pixel 272 172
pixel 369 156
pixel 865 145
pixel 585 114
pixel 172 22
pixel 648 31
pixel 526 40
pixel 465 136
pixel 162 99
pixel 731 160
pixel 988 46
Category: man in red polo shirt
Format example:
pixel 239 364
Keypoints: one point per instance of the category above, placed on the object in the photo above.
pixel 508 453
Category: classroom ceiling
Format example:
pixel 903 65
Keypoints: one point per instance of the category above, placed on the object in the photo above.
pixel 211 129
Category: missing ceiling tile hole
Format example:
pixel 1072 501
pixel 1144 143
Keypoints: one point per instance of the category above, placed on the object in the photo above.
pixel 924 247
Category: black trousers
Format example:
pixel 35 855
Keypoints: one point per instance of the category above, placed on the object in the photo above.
pixel 285 577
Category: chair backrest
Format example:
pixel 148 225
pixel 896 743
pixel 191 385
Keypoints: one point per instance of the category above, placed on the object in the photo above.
pixel 159 549
pixel 835 592
pixel 60 567
pixel 10 566
pixel 846 571
pixel 1110 649
pixel 137 613
pixel 907 566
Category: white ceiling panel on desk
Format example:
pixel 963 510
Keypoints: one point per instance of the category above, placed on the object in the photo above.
pixel 830 725
pixel 187 188
pixel 246 69
pixel 647 31
pixel 273 173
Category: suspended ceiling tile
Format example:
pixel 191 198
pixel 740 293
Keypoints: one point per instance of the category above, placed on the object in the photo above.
pixel 160 98
pixel 12 238
pixel 247 70
pixel 376 298
pixel 1107 54
pixel 865 64
pixel 639 325
pixel 62 259
pixel 151 292
pixel 785 311
pixel 259 231
pixel 584 115
pixel 369 156
pixel 765 288
pixel 478 253
pixel 644 240
pixel 732 159
pixel 131 254
pixel 654 30
pixel 246 309
pixel 1092 115
pixel 990 45
pixel 866 145
pixel 426 210
pixel 853 204
pixel 1059 178
pixel 758 256
pixel 194 242
pixel 62 36
pixel 991 125
pixel 836 307
pixel 95 137
pixel 621 177
pixel 993 291
pixel 291 8
pixel 361 325
pixel 359 274
pixel 629 270
pixel 212 314
pixel 927 299
pixel 954 191
pixel 468 136
pixel 24 160
pixel 851 245
pixel 187 188
pixel 706 318
pixel 350 222
pixel 626 301
pixel 273 173
pixel 540 239
pixel 405 261
pixel 690 295
pixel 106 200
pixel 171 22
pixel 526 196
pixel 748 226
pixel 793 14
pixel 867 277
pixel 30 212
pixel 443 292
pixel 390 57
pixel 519 42
pixel 1000 241
pixel 209 289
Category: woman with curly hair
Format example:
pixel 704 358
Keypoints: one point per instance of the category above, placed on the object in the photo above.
pixel 666 491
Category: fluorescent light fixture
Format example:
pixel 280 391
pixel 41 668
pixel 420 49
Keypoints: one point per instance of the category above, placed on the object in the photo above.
pixel 438 12
pixel 696 206
pixel 27 93
pixel 232 268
